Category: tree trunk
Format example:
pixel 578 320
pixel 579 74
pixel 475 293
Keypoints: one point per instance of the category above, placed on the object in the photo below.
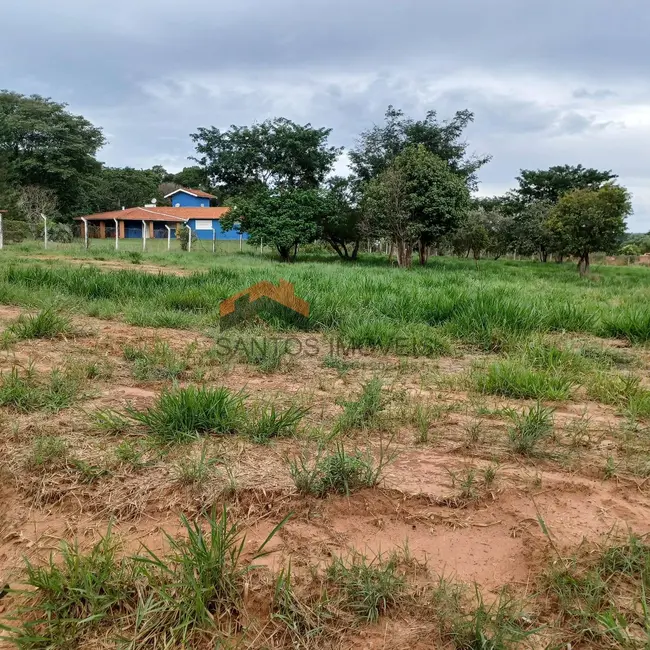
pixel 404 253
pixel 583 264
pixel 284 253
pixel 424 251
pixel 355 250
pixel 390 252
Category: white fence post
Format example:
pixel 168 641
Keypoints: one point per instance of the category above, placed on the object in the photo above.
pixel 2 235
pixel 85 222
pixel 117 234
pixel 240 242
pixel 214 240
pixel 169 237
pixel 144 235
pixel 45 232
pixel 189 239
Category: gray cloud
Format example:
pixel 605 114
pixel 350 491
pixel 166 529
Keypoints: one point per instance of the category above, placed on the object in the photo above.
pixel 550 83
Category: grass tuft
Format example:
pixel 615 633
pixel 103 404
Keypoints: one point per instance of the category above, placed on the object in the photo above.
pixel 184 414
pixel 156 362
pixel 31 391
pixel 47 324
pixel 272 423
pixel 530 427
pixel 360 413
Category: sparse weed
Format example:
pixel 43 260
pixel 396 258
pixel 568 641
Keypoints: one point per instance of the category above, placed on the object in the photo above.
pixel 474 431
pixel 360 413
pixel 338 471
pixel 31 391
pixel 470 624
pixel 126 452
pixel 623 391
pixel 267 354
pixel 422 417
pixel 47 451
pixel 369 588
pixel 531 427
pixel 196 471
pixel 341 365
pixel 156 362
pixel 111 421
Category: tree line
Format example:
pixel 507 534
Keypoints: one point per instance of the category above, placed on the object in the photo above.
pixel 410 183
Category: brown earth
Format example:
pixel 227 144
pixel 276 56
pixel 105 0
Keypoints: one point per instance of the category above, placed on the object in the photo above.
pixel 492 537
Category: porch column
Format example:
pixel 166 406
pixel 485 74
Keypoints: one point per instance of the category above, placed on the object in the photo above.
pixel 121 229
pixel 151 229
pixel 102 230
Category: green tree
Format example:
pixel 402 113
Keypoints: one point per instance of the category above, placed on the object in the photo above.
pixel 591 220
pixel 280 217
pixel 44 145
pixel 415 201
pixel 530 234
pixel 341 222
pixel 551 184
pixel 378 147
pixel 277 153
pixel 117 187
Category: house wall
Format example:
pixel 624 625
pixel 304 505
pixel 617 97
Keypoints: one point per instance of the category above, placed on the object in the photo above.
pixel 186 201
pixel 206 233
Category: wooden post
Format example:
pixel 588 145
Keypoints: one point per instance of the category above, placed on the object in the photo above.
pixel 214 240
pixel 102 230
pixel 122 231
pixel 240 242
pixel 151 233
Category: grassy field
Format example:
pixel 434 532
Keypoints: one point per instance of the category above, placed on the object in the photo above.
pixel 451 457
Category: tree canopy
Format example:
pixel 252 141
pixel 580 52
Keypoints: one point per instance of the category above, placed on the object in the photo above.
pixel 378 147
pixel 42 144
pixel 415 200
pixel 276 153
pixel 589 220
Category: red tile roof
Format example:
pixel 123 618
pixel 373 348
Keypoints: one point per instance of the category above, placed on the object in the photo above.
pixel 189 190
pixel 178 215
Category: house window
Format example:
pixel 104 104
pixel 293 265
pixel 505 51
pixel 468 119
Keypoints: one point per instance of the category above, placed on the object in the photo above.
pixel 203 224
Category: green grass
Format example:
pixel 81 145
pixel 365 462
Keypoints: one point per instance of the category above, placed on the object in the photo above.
pixel 513 378
pixel 272 423
pixel 340 364
pixel 338 471
pixel 267 354
pixel 623 391
pixel 184 414
pixel 191 595
pixel 32 391
pixel 47 324
pixel 196 471
pixel 419 312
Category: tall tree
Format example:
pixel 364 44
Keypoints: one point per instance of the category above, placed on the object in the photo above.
pixel 378 147
pixel 281 217
pixel 551 184
pixel 42 144
pixel 589 220
pixel 415 201
pixel 277 153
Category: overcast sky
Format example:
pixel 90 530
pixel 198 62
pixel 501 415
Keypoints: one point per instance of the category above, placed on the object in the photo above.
pixel 552 82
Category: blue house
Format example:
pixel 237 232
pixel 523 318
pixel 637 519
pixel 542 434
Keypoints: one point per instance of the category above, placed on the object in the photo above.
pixel 185 197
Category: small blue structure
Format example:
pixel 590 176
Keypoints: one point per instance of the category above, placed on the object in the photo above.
pixel 185 197
pixel 209 228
